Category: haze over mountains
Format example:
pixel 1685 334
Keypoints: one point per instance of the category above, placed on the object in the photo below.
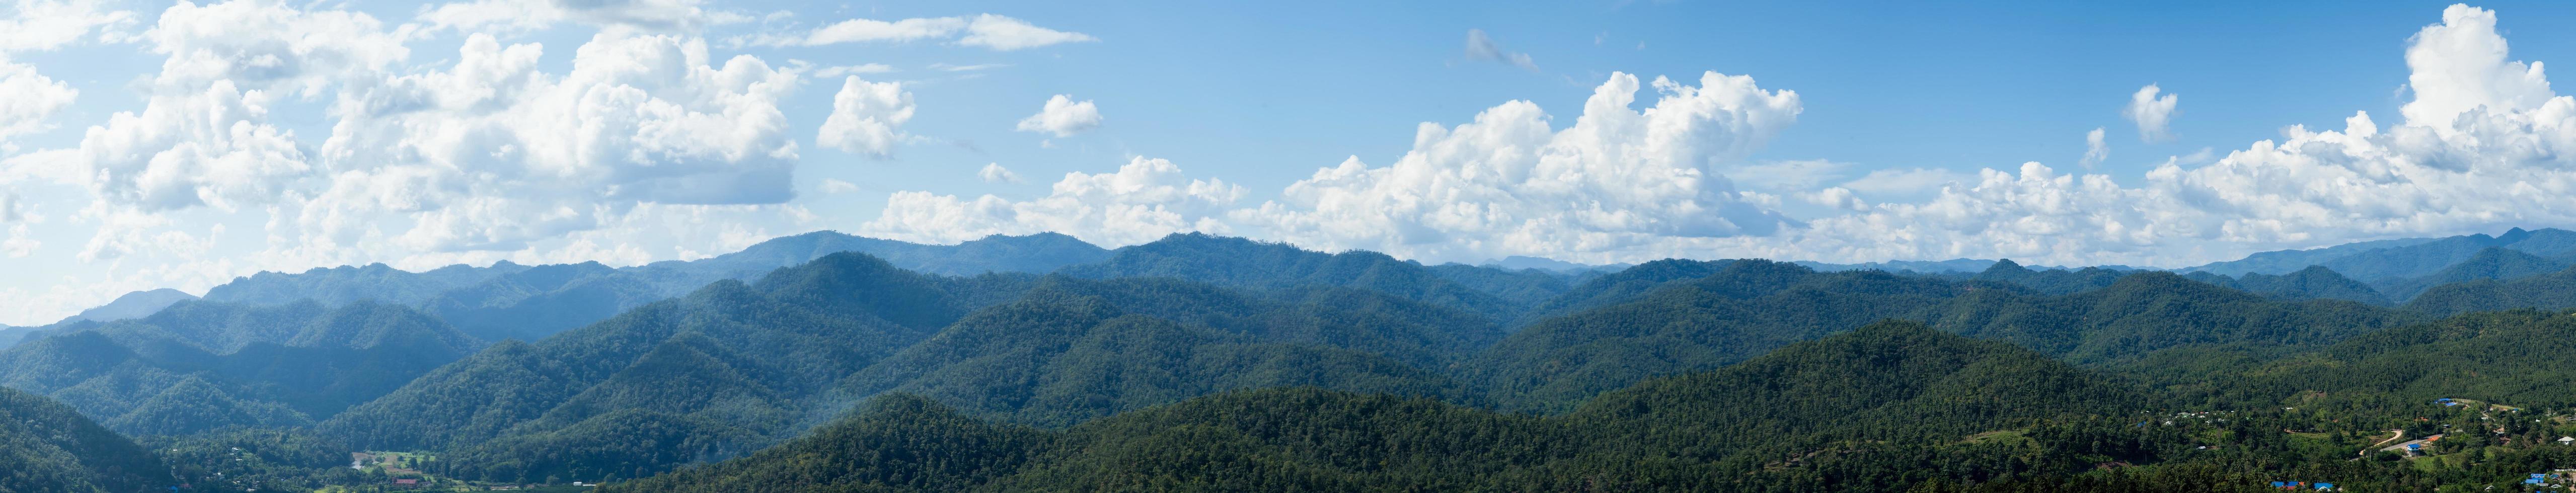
pixel 1040 362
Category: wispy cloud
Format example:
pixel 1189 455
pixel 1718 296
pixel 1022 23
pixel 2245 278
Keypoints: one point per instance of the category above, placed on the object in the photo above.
pixel 996 32
pixel 1483 48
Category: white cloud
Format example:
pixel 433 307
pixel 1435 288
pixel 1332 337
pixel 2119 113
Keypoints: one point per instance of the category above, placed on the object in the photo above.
pixel 1792 175
pixel 1622 184
pixel 1836 197
pixel 191 149
pixel 836 186
pixel 988 31
pixel 871 30
pixel 2095 149
pixel 42 25
pixel 27 100
pixel 1144 200
pixel 528 15
pixel 493 153
pixel 866 118
pixel 1008 34
pixel 995 173
pixel 1509 184
pixel 1482 47
pixel 2459 65
pixel 1891 184
pixel 2449 169
pixel 1062 117
pixel 20 244
pixel 2153 115
pixel 842 70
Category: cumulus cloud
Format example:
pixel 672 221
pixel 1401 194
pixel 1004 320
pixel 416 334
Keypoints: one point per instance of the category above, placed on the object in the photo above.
pixel 1509 184
pixel 2154 115
pixel 2483 146
pixel 1144 200
pixel 2460 65
pixel 2095 150
pixel 493 153
pixel 1062 117
pixel 489 153
pixel 1628 184
pixel 41 25
pixel 867 118
pixel 1483 48
pixel 27 100
pixel 995 173
pixel 995 32
pixel 525 15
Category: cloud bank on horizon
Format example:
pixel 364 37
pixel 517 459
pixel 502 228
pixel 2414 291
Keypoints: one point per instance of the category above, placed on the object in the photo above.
pixel 452 136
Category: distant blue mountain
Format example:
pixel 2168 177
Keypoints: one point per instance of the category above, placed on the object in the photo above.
pixel 512 301
pixel 2387 261
pixel 1519 262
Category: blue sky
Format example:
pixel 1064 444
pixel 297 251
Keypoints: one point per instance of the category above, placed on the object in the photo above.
pixel 292 135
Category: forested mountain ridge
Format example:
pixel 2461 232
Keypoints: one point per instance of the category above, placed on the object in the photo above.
pixel 2313 283
pixel 2555 290
pixel 1244 263
pixel 48 447
pixel 201 365
pixel 1753 306
pixel 1698 430
pixel 513 301
pixel 2509 356
pixel 1075 350
pixel 2492 263
pixel 735 367
pixel 711 374
pixel 2375 261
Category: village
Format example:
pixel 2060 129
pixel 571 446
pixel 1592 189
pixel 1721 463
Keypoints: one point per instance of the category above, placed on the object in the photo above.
pixel 401 471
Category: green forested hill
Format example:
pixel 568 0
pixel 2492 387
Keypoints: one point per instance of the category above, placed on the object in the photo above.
pixel 512 301
pixel 2049 281
pixel 1754 306
pixel 1057 357
pixel 712 374
pixel 47 447
pixel 1714 431
pixel 200 366
pixel 1238 262
pixel 2516 357
pixel 1747 308
pixel 2313 283
pixel 2492 263
pixel 1207 363
pixel 1619 287
pixel 735 367
pixel 2550 291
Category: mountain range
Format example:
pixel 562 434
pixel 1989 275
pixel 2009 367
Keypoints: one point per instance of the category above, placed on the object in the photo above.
pixel 1197 361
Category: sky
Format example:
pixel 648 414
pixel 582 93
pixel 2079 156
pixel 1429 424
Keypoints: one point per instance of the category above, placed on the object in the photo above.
pixel 151 144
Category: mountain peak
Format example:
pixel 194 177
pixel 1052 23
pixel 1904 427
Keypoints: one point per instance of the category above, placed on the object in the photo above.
pixel 136 304
pixel 2007 265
